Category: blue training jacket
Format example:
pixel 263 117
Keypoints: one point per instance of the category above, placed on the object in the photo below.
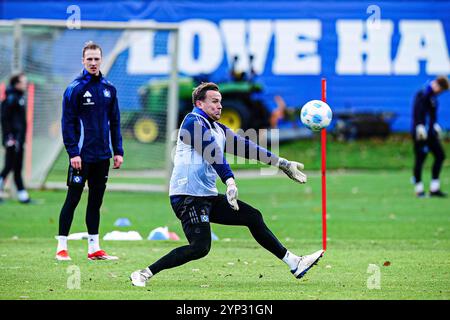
pixel 91 119
pixel 424 108
pixel 235 144
pixel 185 175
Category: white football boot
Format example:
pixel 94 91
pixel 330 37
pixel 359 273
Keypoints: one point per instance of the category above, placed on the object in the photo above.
pixel 23 196
pixel 140 277
pixel 306 262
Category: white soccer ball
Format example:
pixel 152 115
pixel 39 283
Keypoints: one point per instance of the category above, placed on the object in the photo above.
pixel 316 115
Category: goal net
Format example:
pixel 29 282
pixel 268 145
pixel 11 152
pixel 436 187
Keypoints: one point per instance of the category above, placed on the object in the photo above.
pixel 50 55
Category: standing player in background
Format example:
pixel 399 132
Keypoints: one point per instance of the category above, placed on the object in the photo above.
pixel 90 125
pixel 14 126
pixel 427 138
pixel 199 159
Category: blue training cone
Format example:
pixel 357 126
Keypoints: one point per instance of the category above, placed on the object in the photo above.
pixel 161 233
pixel 122 222
pixel 213 236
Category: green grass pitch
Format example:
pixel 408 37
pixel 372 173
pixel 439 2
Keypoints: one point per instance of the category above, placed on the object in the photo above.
pixel 376 229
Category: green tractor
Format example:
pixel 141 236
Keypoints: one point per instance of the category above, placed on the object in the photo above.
pixel 242 107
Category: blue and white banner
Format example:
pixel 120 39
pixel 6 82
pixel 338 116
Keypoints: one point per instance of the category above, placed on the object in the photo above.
pixel 375 56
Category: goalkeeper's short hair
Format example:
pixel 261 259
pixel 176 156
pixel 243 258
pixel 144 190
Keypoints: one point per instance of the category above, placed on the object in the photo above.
pixel 199 92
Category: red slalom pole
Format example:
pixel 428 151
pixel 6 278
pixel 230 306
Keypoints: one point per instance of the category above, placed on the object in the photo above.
pixel 324 169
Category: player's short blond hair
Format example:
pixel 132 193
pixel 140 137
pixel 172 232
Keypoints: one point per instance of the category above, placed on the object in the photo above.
pixel 91 45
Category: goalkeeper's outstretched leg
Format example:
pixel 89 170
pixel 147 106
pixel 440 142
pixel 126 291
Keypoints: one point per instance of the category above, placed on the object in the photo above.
pixel 196 213
pixel 199 161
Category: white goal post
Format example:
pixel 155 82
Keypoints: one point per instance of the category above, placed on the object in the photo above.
pixel 49 53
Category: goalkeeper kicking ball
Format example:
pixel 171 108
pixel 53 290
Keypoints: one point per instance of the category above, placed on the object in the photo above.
pixel 316 115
